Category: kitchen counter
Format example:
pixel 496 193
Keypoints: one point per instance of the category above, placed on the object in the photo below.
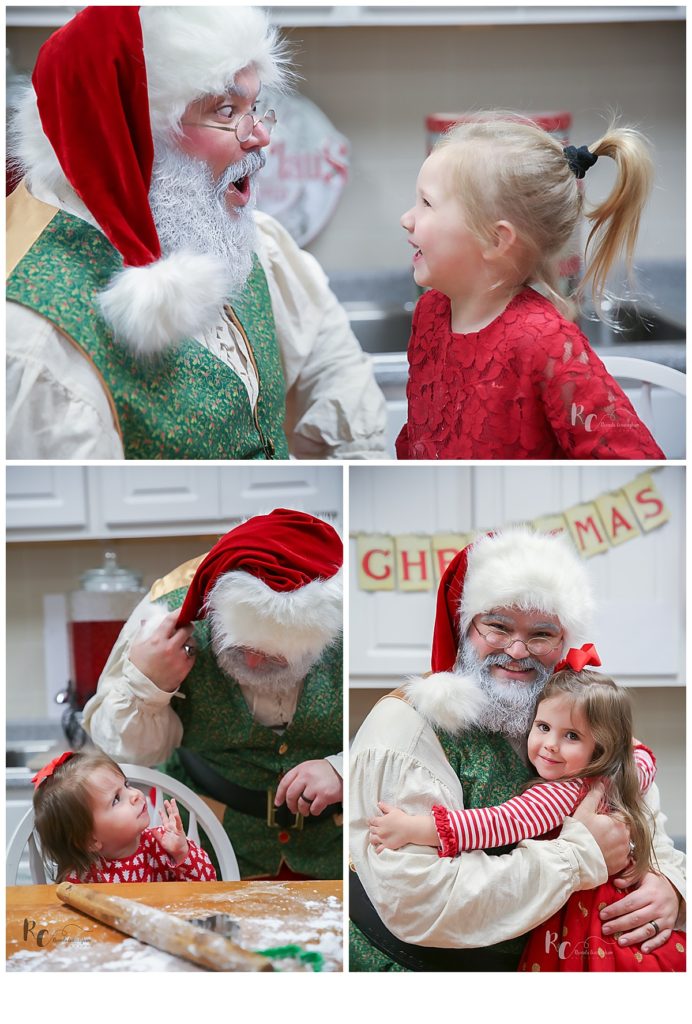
pixel 660 289
pixel 43 934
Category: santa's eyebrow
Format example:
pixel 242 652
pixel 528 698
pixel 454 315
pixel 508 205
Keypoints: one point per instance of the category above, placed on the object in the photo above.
pixel 510 622
pixel 235 89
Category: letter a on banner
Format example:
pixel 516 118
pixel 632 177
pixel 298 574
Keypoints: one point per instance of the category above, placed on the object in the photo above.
pixel 375 555
pixel 647 502
pixel 618 518
pixel 414 562
pixel 587 530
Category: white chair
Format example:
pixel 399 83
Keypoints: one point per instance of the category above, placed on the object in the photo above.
pixel 666 424
pixel 201 816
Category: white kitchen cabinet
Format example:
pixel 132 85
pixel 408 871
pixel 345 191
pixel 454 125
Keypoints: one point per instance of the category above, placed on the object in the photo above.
pixel 357 15
pixel 639 586
pixel 43 498
pixel 101 502
pixel 315 489
pixel 139 496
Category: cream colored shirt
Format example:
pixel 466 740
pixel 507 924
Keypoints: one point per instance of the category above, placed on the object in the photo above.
pixel 474 899
pixel 134 721
pixel 57 408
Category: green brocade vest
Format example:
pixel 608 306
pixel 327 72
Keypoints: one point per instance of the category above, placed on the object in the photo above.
pixel 218 725
pixel 183 404
pixel 490 772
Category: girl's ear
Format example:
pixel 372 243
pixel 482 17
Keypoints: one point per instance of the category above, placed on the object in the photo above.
pixel 503 238
pixel 95 845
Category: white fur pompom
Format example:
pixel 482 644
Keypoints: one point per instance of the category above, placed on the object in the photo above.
pixel 179 296
pixel 446 700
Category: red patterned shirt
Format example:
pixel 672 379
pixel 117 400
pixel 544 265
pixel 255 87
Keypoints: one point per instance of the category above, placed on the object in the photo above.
pixel 540 809
pixel 151 863
pixel 527 386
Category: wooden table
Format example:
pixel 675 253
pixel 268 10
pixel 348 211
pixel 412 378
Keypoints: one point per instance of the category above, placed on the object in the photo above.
pixel 45 934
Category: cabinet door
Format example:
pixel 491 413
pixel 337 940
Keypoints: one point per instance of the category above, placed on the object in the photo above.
pixel 43 498
pixel 133 496
pixel 391 631
pixel 256 490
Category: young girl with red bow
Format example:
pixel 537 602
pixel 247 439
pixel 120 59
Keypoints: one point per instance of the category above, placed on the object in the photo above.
pixel 94 827
pixel 497 370
pixel 582 731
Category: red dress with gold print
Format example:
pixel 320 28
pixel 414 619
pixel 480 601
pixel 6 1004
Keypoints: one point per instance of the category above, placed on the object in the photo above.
pixel 571 940
pixel 527 386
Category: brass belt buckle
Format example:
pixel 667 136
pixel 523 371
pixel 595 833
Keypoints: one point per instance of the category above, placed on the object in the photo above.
pixel 271 814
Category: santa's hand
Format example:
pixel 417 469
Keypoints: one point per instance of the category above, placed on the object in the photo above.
pixel 309 788
pixel 166 655
pixel 171 836
pixel 654 904
pixel 611 834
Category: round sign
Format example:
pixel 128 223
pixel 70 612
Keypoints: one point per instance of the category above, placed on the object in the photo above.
pixel 306 169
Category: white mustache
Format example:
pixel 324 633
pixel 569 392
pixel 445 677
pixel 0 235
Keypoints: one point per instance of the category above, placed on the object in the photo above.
pixel 249 165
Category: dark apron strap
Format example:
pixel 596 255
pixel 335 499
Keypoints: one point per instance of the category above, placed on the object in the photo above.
pixel 421 958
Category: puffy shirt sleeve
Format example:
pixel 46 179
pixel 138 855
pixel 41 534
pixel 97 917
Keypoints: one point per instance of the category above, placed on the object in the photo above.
pixel 129 717
pixel 471 900
pixel 335 409
pixel 588 411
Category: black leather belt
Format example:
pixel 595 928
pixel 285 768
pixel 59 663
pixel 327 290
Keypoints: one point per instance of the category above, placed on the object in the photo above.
pixel 421 958
pixel 259 803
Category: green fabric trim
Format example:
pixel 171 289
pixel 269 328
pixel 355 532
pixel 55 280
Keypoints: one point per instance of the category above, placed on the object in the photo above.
pixel 184 404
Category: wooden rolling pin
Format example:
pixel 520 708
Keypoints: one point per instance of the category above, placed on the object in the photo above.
pixel 165 931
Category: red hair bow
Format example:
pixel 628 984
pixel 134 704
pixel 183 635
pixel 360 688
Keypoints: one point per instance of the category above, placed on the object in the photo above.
pixel 578 658
pixel 49 768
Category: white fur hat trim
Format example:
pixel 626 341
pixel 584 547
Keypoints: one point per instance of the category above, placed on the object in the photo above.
pixel 289 624
pixel 446 700
pixel 194 51
pixel 530 571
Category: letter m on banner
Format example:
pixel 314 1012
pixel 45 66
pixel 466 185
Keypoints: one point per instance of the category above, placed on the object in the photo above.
pixel 587 530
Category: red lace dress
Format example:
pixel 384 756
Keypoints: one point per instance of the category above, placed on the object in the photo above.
pixel 527 386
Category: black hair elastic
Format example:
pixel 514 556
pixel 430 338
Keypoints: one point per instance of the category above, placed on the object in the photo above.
pixel 579 159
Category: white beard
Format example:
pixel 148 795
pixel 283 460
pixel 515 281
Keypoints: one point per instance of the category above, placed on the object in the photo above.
pixel 190 211
pixel 510 706
pixel 268 678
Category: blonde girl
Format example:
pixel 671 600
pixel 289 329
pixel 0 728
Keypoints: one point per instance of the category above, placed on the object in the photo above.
pixel 497 370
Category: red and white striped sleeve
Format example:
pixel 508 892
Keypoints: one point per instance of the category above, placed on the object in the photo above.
pixel 539 809
pixel 645 763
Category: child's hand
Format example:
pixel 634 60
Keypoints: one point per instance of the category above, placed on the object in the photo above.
pixel 395 828
pixel 171 836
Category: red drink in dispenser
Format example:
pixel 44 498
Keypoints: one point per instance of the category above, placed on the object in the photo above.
pixel 97 614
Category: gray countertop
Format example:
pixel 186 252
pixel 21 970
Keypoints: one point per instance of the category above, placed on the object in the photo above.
pixel 659 289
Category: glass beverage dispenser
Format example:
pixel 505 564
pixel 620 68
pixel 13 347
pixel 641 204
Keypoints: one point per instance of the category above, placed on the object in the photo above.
pixel 97 612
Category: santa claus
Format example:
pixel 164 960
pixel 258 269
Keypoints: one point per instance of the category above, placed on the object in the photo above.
pixel 153 313
pixel 229 675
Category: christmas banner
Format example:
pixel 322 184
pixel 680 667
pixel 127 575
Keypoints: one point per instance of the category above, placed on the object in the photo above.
pixel 415 562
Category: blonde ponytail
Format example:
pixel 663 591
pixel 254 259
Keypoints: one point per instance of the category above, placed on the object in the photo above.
pixel 615 221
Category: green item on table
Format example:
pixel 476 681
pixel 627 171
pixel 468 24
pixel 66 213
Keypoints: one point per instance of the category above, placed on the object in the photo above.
pixel 304 956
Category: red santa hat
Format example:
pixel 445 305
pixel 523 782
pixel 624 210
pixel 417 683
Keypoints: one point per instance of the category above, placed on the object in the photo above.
pixel 273 584
pixel 104 86
pixel 516 568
